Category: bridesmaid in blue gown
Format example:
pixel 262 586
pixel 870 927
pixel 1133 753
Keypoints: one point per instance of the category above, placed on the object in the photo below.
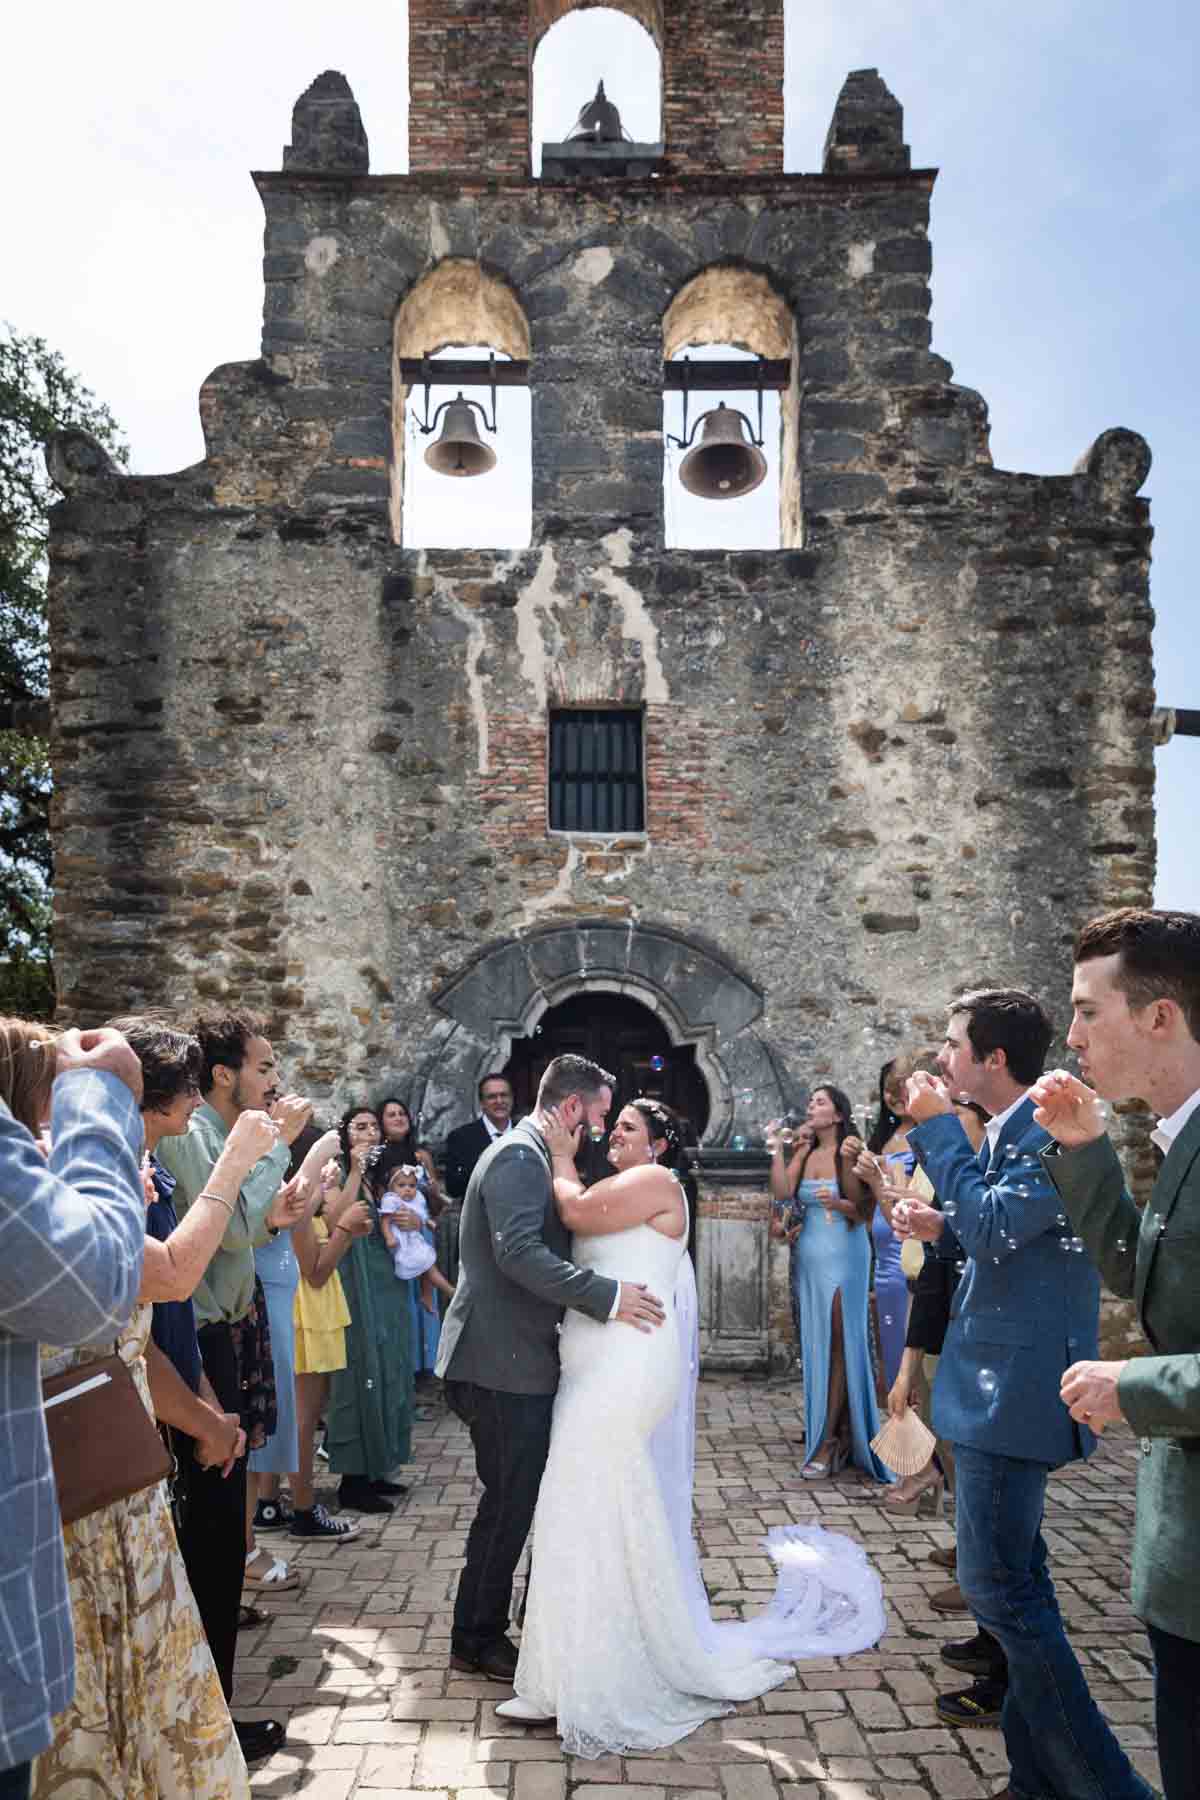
pixel 820 1205
pixel 888 1151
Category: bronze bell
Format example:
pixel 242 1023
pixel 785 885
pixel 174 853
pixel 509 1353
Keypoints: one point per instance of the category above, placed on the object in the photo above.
pixel 723 465
pixel 460 450
pixel 599 122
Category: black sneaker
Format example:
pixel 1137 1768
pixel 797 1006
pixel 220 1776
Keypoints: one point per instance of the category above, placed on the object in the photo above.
pixel 273 1515
pixel 389 1489
pixel 259 1737
pixel 315 1522
pixel 980 1656
pixel 980 1704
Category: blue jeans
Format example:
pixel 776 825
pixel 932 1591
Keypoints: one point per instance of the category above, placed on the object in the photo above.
pixel 1177 1711
pixel 1059 1747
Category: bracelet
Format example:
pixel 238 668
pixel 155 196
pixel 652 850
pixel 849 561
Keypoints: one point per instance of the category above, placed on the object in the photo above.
pixel 207 1194
pixel 344 1228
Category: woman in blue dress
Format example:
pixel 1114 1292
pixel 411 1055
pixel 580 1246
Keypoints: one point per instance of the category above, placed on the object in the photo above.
pixel 889 1156
pixel 820 1208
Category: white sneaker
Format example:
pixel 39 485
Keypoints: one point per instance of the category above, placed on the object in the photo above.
pixel 523 1712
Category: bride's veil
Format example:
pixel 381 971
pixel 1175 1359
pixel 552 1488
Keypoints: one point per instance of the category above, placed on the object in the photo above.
pixel 828 1600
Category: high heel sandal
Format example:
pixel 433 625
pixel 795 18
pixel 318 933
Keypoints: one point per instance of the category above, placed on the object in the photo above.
pixel 822 1467
pixel 926 1493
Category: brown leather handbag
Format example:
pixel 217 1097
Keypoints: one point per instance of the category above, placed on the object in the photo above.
pixel 103 1443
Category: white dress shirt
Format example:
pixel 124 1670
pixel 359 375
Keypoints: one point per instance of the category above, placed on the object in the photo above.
pixel 1167 1130
pixel 998 1121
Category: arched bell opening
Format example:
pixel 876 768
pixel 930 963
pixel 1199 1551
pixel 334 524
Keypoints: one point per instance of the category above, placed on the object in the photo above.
pixel 457 437
pixel 730 454
pixel 576 45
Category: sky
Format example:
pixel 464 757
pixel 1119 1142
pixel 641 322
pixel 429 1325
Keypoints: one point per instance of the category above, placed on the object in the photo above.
pixel 1065 219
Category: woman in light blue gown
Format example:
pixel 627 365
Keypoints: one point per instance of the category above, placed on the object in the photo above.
pixel 820 1207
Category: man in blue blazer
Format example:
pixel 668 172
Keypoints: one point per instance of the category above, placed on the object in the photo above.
pixel 1026 1308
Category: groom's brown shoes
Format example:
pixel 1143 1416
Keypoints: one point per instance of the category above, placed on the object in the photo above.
pixel 497 1663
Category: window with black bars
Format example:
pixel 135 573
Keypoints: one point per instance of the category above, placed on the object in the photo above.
pixel 596 771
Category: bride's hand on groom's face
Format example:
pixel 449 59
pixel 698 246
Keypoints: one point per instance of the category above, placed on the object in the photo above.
pixel 561 1139
pixel 639 1307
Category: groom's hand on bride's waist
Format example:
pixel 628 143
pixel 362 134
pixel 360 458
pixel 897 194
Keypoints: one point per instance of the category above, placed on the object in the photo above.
pixel 637 1306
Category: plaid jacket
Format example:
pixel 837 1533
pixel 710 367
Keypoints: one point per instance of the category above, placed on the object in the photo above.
pixel 71 1243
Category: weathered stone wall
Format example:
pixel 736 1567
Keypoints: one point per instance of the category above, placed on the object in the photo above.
pixel 300 766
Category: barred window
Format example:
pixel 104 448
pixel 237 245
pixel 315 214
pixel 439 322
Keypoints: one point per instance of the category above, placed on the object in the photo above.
pixel 596 771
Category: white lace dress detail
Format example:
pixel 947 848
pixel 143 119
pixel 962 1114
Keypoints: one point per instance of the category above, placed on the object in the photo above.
pixel 618 1642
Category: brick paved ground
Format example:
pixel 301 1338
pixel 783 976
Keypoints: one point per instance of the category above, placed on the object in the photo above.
pixel 356 1659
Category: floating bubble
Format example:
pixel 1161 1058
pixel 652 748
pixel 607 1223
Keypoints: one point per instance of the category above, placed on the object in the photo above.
pixel 1012 1152
pixel 988 1382
pixel 787 1137
pixel 737 1142
pixel 1077 1245
pixel 887 1318
pixel 949 1208
pixel 959 1267
pixel 1060 1218
pixel 537 1031
pixel 596 1133
pixel 658 1063
pixel 747 1096
pixel 1022 1192
pixel 1122 1246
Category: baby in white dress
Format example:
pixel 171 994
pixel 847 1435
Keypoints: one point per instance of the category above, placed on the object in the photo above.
pixel 413 1256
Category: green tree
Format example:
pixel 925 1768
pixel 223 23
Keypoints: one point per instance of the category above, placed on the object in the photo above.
pixel 38 395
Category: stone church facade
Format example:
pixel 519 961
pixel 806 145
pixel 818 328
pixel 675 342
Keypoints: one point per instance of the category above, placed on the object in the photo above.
pixel 302 767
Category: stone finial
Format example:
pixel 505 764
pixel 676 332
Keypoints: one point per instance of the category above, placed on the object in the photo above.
pixel 1118 462
pixel 77 462
pixel 327 129
pixel 866 133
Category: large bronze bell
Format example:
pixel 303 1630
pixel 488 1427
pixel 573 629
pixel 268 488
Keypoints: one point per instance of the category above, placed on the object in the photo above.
pixel 460 450
pixel 723 465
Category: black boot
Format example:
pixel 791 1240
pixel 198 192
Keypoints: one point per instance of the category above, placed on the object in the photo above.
pixel 358 1494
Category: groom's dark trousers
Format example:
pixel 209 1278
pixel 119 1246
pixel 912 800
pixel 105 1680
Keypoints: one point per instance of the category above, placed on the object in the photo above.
pixel 511 1438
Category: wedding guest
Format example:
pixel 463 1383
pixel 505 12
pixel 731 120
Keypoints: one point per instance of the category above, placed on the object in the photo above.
pixel 148 1715
pixel 371 1399
pixel 399 1139
pixel 819 1210
pixel 239 1074
pixel 321 1318
pixel 1136 1030
pixel 467 1143
pixel 1021 1308
pixel 71 1236
pixel 888 1158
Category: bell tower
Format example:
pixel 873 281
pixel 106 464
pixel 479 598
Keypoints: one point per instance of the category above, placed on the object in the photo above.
pixel 470 71
pixel 773 806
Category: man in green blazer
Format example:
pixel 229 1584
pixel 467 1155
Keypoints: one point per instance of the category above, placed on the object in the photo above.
pixel 1136 1028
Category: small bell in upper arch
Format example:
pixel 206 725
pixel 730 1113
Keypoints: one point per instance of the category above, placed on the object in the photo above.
pixel 460 450
pixel 599 122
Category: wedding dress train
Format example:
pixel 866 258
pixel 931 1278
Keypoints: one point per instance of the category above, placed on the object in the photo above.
pixel 618 1642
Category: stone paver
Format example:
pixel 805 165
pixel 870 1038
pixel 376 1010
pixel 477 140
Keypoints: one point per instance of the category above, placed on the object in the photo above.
pixel 356 1659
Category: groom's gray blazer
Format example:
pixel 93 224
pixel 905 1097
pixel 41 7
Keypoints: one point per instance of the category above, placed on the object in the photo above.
pixel 515 1278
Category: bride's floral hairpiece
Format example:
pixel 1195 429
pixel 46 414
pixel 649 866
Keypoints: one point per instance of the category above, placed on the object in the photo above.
pixel 662 1123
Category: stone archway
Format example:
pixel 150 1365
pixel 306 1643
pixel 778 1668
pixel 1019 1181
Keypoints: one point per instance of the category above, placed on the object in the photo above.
pixel 702 999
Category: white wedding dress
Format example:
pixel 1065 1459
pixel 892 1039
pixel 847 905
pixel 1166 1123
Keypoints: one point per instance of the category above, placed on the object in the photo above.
pixel 618 1643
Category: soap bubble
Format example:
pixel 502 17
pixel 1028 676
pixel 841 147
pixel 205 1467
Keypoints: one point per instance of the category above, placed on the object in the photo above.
pixel 959 1267
pixel 1022 1192
pixel 1077 1245
pixel 887 1318
pixel 949 1208
pixel 746 1096
pixel 1060 1218
pixel 988 1382
pixel 1122 1246
pixel 737 1142
pixel 1012 1151
pixel 537 1031
pixel 658 1063
pixel 596 1133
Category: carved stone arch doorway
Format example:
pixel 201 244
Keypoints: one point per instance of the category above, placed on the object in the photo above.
pixel 703 1006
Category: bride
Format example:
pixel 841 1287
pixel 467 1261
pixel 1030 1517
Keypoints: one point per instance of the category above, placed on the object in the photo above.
pixel 618 1643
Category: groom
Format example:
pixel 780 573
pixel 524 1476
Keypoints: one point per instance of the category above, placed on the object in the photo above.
pixel 499 1346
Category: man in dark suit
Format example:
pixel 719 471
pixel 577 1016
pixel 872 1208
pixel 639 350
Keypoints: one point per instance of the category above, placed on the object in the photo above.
pixel 1025 1308
pixel 1136 1028
pixel 498 1353
pixel 467 1143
